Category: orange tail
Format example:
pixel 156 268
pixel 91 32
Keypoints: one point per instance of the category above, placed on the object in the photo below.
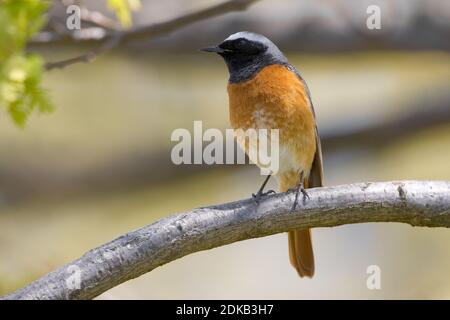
pixel 301 252
pixel 300 246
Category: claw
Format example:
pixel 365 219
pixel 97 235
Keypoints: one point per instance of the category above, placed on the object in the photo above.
pixel 299 188
pixel 260 192
pixel 257 196
pixel 305 194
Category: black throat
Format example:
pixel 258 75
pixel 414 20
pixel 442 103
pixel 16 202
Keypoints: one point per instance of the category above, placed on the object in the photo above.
pixel 244 67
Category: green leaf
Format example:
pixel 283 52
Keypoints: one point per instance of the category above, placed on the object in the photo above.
pixel 21 74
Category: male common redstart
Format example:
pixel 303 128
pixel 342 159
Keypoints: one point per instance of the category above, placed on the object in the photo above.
pixel 266 92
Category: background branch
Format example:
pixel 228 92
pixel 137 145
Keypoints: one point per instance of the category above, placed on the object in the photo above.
pixel 376 133
pixel 87 57
pixel 111 40
pixel 99 19
pixel 418 203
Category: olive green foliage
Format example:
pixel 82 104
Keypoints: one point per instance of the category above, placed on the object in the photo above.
pixel 21 91
pixel 20 73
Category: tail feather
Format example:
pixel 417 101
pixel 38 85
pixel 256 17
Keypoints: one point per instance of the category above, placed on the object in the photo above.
pixel 301 252
pixel 300 246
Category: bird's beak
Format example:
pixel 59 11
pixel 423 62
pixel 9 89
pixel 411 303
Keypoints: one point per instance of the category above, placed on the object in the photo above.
pixel 214 49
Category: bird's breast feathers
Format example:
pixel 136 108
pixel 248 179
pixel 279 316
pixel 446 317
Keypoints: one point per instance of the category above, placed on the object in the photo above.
pixel 277 99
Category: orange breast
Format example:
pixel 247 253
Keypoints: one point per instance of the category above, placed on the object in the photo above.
pixel 276 99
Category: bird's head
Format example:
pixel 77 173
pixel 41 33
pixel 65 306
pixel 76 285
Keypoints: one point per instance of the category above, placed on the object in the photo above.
pixel 245 53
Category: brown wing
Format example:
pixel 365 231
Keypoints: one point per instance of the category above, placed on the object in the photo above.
pixel 316 173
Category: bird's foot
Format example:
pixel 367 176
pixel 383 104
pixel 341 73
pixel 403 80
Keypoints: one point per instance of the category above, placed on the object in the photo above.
pixel 299 189
pixel 259 195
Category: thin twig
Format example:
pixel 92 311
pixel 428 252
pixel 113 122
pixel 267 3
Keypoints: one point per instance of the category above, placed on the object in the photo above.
pixel 87 57
pixel 99 19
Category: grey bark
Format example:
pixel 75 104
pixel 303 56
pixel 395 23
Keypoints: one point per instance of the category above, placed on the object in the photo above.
pixel 418 203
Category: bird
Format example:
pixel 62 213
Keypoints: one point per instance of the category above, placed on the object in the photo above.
pixel 266 92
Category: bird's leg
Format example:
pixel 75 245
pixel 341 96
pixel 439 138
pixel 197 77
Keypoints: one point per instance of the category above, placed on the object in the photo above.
pixel 261 192
pixel 299 188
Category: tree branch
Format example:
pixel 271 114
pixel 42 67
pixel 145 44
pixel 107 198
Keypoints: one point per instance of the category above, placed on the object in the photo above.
pixel 152 31
pixel 87 57
pixel 418 203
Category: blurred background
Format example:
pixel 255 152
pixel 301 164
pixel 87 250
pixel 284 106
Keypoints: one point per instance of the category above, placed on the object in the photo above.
pixel 99 165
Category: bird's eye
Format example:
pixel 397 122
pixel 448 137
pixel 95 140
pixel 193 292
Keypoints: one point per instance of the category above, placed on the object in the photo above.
pixel 241 43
